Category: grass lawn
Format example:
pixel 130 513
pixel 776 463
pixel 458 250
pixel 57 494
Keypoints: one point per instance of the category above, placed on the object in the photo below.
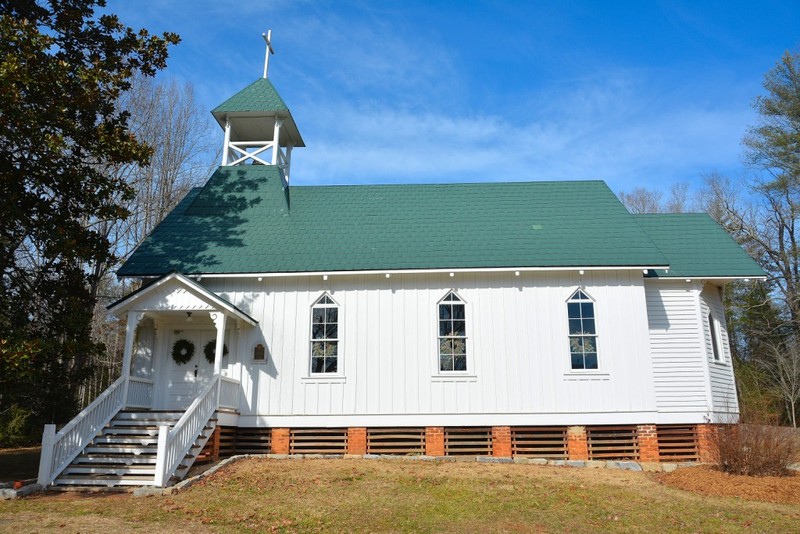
pixel 392 495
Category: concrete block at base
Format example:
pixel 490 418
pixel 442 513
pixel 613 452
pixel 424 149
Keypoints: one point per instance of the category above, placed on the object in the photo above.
pixel 795 467
pixel 494 460
pixel 595 464
pixel 625 466
pixel 651 467
pixel 560 463
pixel 576 463
pixel 462 459
pixel 24 491
pixel 668 467
pixel 278 456
pixel 539 461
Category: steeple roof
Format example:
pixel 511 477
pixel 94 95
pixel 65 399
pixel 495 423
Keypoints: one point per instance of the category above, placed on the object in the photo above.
pixel 248 108
pixel 258 96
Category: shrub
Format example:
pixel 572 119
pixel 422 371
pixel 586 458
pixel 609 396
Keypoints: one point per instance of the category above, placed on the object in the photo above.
pixel 755 450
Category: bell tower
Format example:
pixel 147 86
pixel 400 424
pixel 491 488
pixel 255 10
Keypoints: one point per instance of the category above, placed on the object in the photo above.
pixel 259 128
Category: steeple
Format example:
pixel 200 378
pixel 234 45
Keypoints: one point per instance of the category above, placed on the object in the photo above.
pixel 259 128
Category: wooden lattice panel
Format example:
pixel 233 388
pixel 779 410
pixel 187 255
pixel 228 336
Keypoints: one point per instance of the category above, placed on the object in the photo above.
pixel 613 443
pixel 227 441
pixel 253 440
pixel 677 443
pixel 396 440
pixel 318 441
pixel 471 441
pixel 539 441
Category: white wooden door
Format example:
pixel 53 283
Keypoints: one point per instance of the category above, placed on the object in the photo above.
pixel 185 382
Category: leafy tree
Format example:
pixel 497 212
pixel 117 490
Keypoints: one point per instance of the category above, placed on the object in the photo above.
pixel 63 67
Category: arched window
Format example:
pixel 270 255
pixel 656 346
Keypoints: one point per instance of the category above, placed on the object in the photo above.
pixel 713 327
pixel 452 334
pixel 324 336
pixel 582 331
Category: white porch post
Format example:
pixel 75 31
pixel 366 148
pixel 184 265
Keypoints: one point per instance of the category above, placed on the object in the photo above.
pixel 130 336
pixel 46 457
pixel 227 146
pixel 276 138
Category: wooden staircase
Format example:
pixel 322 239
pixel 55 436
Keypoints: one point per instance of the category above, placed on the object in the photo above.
pixel 124 452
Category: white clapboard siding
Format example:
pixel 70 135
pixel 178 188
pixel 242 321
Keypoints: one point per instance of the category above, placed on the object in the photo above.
pixel 517 344
pixel 676 346
pixel 723 385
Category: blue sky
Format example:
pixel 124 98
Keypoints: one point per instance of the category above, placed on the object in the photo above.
pixel 634 93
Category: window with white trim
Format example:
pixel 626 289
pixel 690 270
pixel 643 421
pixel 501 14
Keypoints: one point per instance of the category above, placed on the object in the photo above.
pixel 713 328
pixel 582 331
pixel 452 334
pixel 324 336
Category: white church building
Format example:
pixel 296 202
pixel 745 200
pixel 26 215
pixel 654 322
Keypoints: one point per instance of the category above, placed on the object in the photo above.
pixel 536 319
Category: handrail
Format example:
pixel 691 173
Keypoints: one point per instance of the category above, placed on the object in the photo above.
pixel 229 392
pixel 174 444
pixel 140 392
pixel 59 449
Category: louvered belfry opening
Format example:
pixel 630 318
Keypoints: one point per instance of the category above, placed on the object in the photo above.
pixel 678 443
pixel 539 441
pixel 471 441
pixel 318 441
pixel 406 440
pixel 613 442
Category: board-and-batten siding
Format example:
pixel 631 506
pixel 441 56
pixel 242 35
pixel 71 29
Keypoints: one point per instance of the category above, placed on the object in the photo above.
pixel 677 347
pixel 517 343
pixel 723 385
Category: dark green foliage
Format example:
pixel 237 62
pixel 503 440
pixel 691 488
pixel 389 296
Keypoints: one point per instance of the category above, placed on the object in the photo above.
pixel 62 69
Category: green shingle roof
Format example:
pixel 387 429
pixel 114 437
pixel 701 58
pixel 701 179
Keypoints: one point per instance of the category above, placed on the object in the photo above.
pixel 244 221
pixel 258 96
pixel 696 246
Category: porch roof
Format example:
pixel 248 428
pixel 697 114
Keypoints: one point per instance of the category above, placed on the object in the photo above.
pixel 208 297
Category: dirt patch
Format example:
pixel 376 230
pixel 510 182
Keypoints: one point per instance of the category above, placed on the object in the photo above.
pixel 708 480
pixel 19 464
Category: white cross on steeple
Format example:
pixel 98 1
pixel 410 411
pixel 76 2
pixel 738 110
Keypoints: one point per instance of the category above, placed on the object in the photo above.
pixel 267 39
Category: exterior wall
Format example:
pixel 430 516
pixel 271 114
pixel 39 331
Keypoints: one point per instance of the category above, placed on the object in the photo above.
pixel 517 344
pixel 678 350
pixel 723 386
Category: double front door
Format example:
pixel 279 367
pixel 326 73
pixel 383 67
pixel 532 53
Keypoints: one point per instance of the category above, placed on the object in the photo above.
pixel 185 381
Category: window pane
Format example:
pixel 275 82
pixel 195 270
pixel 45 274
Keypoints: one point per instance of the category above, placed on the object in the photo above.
pixel 459 346
pixel 331 331
pixel 332 315
pixel 445 346
pixel 326 300
pixel 589 344
pixel 587 309
pixel 318 315
pixel 318 349
pixel 577 361
pixel 459 328
pixel 588 326
pixel 575 326
pixel 317 331
pixel 330 365
pixel 446 362
pixel 445 311
pixel 573 310
pixel 576 344
pixel 458 311
pixel 591 360
pixel 316 365
pixel 460 363
pixel 331 348
pixel 445 328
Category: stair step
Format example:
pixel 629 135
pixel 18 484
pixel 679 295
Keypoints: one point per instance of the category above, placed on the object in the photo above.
pixel 111 481
pixel 143 441
pixel 132 431
pixel 120 449
pixel 81 469
pixel 119 459
pixel 152 422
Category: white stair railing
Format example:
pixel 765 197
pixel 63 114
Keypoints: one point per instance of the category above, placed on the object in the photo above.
pixel 229 393
pixel 140 392
pixel 59 449
pixel 174 444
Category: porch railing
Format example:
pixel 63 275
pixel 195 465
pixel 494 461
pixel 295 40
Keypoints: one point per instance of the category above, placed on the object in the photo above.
pixel 140 392
pixel 59 449
pixel 229 393
pixel 174 444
